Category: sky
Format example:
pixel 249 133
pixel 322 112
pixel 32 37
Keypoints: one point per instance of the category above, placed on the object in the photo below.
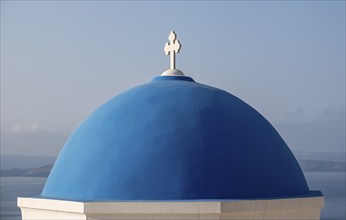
pixel 60 60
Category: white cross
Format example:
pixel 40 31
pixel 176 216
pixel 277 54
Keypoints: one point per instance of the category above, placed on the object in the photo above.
pixel 172 48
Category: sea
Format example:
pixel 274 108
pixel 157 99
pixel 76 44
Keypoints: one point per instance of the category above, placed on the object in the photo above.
pixel 332 185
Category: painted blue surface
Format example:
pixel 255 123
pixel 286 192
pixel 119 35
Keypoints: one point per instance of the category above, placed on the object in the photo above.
pixel 175 139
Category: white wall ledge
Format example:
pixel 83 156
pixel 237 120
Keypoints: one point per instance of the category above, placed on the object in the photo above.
pixel 299 208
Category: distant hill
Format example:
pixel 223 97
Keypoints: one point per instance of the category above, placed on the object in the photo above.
pixel 34 172
pixel 306 165
pixel 8 161
pixel 322 165
pixel 325 156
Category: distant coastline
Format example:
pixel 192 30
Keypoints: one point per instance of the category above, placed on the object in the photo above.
pixel 322 165
pixel 306 165
pixel 42 171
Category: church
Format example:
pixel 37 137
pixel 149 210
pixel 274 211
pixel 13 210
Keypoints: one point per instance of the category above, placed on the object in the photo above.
pixel 174 148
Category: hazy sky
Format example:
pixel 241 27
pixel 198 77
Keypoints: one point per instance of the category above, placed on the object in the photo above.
pixel 60 60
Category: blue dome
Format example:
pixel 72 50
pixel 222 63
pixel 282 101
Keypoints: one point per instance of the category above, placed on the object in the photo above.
pixel 174 139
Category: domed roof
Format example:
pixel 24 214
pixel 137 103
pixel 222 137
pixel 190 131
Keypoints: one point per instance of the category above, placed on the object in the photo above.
pixel 174 139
